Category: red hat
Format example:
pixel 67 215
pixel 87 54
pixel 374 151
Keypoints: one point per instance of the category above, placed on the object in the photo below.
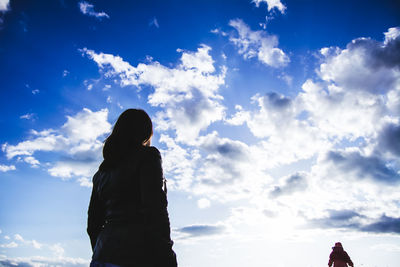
pixel 338 245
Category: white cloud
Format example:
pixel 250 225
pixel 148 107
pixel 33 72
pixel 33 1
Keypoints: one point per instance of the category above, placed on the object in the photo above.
pixel 271 4
pixel 339 113
pixel 289 138
pixel 18 237
pixel 58 258
pixel 258 44
pixel 6 168
pixel 88 9
pixel 37 261
pixel 28 116
pixel 79 139
pixel 240 117
pixel 58 250
pixel 179 163
pixel 32 161
pixel 364 65
pixel 187 94
pixel 9 245
pixel 4 5
pixel 215 168
pixel 392 34
pixel 74 168
pixel 219 31
pixel 35 91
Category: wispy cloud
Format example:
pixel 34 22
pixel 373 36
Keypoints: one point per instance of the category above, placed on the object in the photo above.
pixel 88 9
pixel 257 44
pixel 154 22
pixel 54 254
pixel 198 230
pixel 28 116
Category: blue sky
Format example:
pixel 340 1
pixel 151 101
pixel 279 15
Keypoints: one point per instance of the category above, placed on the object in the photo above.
pixel 278 123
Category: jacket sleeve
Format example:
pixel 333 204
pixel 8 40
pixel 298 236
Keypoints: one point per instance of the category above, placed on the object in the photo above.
pixel 330 260
pixel 153 197
pixel 348 260
pixel 95 217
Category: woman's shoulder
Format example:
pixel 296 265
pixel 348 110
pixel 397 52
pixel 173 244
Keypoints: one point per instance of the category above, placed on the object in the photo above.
pixel 151 152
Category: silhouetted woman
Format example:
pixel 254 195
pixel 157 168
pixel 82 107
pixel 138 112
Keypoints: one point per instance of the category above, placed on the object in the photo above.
pixel 339 257
pixel 128 222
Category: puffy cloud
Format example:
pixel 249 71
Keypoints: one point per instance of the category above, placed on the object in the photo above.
pixel 258 44
pixel 339 113
pixel 77 139
pixel 178 162
pixel 188 93
pixel 271 4
pixel 392 34
pixel 289 137
pixel 365 64
pixel 88 9
pixel 6 168
pixel 214 168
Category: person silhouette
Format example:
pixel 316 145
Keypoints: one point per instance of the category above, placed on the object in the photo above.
pixel 339 257
pixel 128 222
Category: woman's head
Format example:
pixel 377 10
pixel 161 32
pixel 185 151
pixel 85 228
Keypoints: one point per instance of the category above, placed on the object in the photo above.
pixel 132 130
pixel 133 127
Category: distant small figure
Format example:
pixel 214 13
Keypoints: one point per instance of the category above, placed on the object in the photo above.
pixel 339 257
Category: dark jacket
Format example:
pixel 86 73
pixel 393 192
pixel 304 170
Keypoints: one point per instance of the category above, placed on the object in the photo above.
pixel 128 220
pixel 339 258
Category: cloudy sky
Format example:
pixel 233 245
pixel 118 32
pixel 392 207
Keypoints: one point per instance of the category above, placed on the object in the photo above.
pixel 278 123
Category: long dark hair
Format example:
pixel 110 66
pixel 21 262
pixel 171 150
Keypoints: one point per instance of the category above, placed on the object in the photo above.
pixel 131 131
